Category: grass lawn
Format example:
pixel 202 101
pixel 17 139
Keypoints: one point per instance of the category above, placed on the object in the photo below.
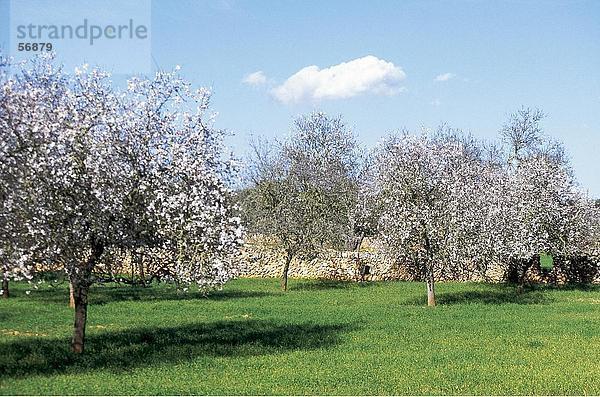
pixel 319 338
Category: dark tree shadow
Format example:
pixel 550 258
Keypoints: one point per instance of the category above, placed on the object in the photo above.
pixel 495 295
pixel 574 287
pixel 122 350
pixel 324 284
pixel 103 294
pixel 494 298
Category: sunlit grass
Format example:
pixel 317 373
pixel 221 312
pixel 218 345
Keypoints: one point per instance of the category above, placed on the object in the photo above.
pixel 319 338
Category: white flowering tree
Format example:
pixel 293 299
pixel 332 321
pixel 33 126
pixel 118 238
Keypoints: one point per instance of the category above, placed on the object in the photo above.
pixel 25 100
pixel 540 207
pixel 450 204
pixel 9 175
pixel 102 184
pixel 178 202
pixel 425 187
pixel 541 211
pixel 304 190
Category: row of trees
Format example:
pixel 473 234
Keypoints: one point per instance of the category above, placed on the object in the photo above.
pixel 437 202
pixel 87 170
pixel 90 172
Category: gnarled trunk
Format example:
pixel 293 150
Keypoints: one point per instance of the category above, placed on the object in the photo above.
pixel 81 300
pixel 429 274
pixel 71 295
pixel 526 265
pixel 5 293
pixel 81 286
pixel 286 269
pixel 430 289
pixel 142 273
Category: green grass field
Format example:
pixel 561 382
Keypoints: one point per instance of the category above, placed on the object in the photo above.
pixel 319 338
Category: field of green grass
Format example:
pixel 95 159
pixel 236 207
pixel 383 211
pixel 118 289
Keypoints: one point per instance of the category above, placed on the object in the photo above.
pixel 318 338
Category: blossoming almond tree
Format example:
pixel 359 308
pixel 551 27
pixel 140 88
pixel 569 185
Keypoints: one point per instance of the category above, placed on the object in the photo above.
pixel 543 211
pixel 425 188
pixel 82 184
pixel 540 207
pixel 9 175
pixel 304 190
pixel 88 178
pixel 178 199
pixel 448 203
pixel 24 103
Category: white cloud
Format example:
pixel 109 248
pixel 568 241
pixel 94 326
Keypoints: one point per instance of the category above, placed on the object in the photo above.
pixel 445 77
pixel 347 79
pixel 255 79
pixel 436 102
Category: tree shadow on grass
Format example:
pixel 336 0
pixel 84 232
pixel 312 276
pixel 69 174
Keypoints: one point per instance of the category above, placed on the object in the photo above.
pixel 137 347
pixel 494 298
pixel 574 287
pixel 103 294
pixel 324 284
pixel 494 295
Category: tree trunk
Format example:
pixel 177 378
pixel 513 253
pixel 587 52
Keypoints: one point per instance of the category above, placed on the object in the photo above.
pixel 81 300
pixel 81 286
pixel 521 278
pixel 361 276
pixel 286 268
pixel 142 274
pixel 430 290
pixel 71 295
pixel 5 293
pixel 528 264
pixel 429 274
pixel 359 243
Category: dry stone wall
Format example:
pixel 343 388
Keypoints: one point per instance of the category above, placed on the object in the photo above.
pixel 264 258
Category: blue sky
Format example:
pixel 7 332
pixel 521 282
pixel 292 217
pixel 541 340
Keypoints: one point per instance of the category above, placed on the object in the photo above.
pixel 497 55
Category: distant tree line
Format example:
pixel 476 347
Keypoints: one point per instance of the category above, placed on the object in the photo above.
pixel 437 201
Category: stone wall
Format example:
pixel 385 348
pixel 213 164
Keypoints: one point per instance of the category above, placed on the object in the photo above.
pixel 264 258
pixel 258 261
